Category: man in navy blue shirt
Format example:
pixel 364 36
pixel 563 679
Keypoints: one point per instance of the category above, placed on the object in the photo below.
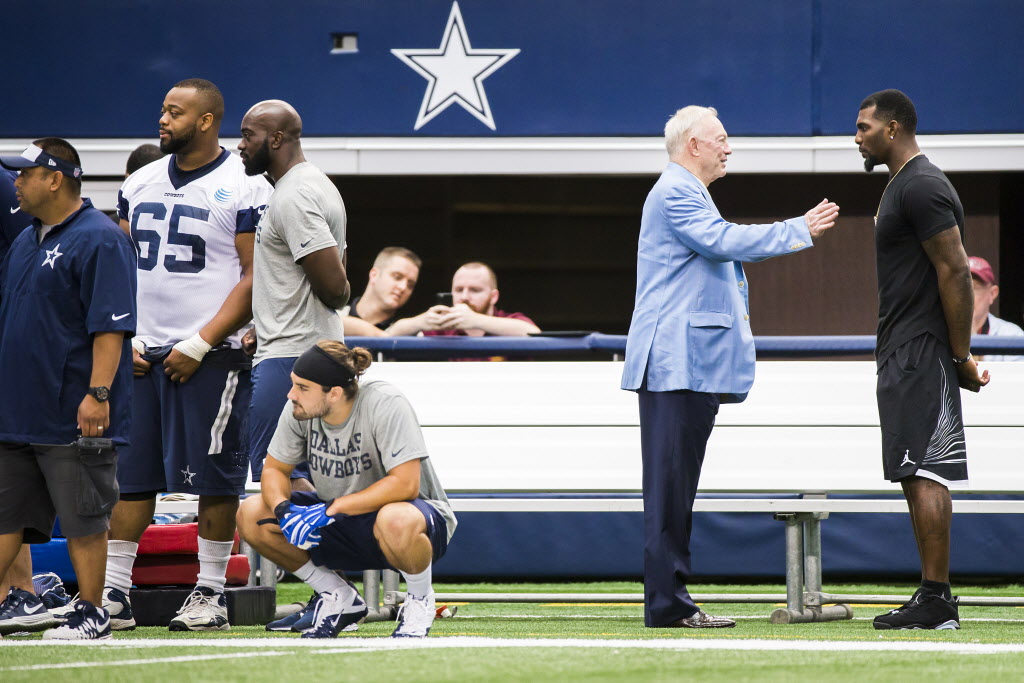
pixel 67 311
pixel 12 219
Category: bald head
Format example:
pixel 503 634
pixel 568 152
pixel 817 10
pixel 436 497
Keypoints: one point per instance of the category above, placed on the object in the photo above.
pixel 274 116
pixel 271 132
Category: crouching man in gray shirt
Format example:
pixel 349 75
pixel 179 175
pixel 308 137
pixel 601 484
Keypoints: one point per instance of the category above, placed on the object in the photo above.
pixel 378 503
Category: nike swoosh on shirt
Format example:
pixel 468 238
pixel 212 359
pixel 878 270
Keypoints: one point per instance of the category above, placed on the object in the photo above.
pixel 303 244
pixel 118 317
pixel 16 209
pixel 395 454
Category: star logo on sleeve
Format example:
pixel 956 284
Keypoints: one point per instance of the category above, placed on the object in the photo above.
pixel 455 72
pixel 187 475
pixel 51 257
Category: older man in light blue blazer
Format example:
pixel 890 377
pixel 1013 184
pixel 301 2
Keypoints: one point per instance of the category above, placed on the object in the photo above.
pixel 690 346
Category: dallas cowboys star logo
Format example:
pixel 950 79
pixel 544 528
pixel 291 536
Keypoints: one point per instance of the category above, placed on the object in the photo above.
pixel 51 257
pixel 188 475
pixel 455 72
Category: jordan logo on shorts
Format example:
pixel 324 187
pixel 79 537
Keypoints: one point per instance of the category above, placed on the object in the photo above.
pixel 906 459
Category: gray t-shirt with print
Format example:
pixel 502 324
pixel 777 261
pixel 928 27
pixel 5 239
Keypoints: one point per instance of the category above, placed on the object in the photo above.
pixel 305 214
pixel 381 433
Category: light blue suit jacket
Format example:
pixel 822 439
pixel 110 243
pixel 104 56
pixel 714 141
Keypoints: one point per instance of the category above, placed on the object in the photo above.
pixel 691 326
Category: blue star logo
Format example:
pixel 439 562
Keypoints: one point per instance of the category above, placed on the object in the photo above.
pixel 51 257
pixel 455 72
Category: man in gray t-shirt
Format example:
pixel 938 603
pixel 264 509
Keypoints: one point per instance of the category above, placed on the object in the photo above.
pixel 299 277
pixel 378 503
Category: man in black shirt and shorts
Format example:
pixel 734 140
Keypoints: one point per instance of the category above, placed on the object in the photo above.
pixel 925 301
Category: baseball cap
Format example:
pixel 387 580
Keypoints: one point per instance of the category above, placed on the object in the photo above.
pixel 981 269
pixel 35 156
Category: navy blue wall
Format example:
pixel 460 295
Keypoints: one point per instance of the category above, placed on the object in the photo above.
pixel 600 67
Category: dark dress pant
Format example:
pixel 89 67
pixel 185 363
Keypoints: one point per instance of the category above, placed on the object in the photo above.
pixel 674 431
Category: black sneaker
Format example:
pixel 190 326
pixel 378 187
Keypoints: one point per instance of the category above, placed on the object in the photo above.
pixel 924 611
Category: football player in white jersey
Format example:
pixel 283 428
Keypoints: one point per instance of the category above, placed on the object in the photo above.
pixel 192 217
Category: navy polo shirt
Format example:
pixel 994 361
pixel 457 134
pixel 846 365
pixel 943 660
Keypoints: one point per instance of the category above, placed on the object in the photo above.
pixel 54 296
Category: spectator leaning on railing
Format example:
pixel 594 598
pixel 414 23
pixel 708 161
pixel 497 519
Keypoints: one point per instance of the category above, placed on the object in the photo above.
pixel 390 284
pixel 473 313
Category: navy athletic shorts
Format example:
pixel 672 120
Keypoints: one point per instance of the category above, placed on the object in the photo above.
pixel 271 382
pixel 920 413
pixel 349 543
pixel 186 438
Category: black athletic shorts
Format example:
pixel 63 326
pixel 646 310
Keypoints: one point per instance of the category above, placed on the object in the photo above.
pixel 919 409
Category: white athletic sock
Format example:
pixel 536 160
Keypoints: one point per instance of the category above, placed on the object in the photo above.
pixel 120 559
pixel 419 584
pixel 213 564
pixel 320 579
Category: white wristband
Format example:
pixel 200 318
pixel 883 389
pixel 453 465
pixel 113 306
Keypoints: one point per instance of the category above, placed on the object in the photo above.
pixel 194 347
pixel 138 345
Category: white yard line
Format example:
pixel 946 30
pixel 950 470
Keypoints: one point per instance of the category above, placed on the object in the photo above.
pixel 356 644
pixel 155 660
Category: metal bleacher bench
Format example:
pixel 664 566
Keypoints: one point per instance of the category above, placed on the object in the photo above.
pixel 561 436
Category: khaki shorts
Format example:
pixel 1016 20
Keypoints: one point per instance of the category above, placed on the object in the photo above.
pixel 39 483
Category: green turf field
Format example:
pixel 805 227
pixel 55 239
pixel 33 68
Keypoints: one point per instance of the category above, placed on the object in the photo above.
pixel 563 642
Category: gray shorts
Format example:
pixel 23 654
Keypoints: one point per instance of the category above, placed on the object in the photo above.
pixel 39 483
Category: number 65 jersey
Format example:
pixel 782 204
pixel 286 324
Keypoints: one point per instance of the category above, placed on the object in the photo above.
pixel 183 224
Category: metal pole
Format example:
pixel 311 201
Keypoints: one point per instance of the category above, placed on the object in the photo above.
pixel 371 589
pixel 268 573
pixel 396 598
pixel 812 561
pixel 254 558
pixel 794 564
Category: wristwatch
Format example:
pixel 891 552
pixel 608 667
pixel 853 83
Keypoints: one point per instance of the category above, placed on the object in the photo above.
pixel 961 361
pixel 101 394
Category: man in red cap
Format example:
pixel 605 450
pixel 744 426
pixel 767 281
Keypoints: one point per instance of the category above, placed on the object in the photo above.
pixel 985 293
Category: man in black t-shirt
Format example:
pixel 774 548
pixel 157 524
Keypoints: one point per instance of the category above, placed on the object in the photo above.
pixel 925 303
pixel 391 282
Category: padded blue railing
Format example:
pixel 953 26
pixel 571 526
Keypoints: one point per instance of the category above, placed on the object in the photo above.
pixel 438 348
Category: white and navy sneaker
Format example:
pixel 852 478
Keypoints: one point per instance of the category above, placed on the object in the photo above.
pixel 336 612
pixel 415 617
pixel 87 622
pixel 65 611
pixel 119 607
pixel 204 610
pixel 24 611
pixel 50 590
pixel 287 622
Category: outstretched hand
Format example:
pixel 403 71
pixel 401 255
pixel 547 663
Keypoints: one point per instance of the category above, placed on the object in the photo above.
pixel 821 218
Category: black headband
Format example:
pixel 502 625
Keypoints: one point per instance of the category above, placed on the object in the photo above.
pixel 316 365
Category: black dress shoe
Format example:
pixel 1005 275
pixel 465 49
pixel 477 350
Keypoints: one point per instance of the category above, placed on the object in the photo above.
pixel 701 620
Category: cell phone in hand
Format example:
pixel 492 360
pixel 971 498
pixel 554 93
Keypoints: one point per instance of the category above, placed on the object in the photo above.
pixel 444 299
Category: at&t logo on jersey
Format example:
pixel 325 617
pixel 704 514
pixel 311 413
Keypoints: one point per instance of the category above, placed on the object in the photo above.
pixel 223 195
